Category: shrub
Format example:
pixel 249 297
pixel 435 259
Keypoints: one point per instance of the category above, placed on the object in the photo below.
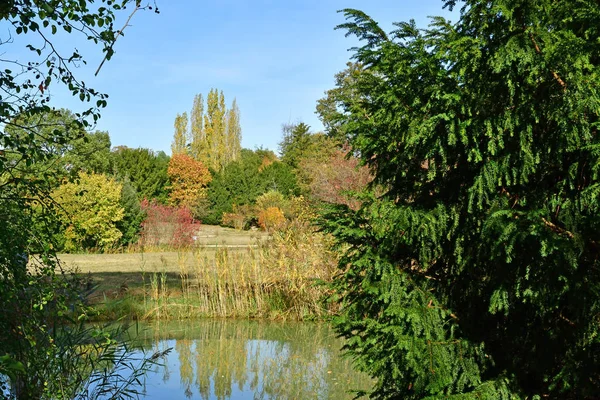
pixel 271 219
pixel 167 225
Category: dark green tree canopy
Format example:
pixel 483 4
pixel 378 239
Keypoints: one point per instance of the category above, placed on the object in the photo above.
pixel 242 181
pixel 476 275
pixel 144 169
pixel 299 143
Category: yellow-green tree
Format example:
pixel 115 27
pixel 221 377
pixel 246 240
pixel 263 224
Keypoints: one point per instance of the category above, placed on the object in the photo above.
pixel 214 125
pixel 214 137
pixel 233 133
pixel 198 144
pixel 90 210
pixel 180 137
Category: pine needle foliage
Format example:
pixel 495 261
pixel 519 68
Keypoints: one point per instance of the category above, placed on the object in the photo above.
pixel 476 274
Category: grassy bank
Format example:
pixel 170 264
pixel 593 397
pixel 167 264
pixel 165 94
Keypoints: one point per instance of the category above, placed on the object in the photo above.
pixel 275 279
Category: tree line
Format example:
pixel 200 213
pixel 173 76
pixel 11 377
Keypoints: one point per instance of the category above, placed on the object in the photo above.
pixel 104 194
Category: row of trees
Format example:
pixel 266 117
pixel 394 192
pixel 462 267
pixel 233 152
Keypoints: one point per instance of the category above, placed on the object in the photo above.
pixel 99 189
pixel 212 137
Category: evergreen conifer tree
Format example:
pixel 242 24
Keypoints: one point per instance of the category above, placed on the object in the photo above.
pixel 477 274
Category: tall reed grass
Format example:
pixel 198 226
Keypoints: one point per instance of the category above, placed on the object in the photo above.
pixel 281 278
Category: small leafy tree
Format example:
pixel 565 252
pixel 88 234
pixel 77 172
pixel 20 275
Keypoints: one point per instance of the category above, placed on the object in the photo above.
pixel 91 209
pixel 476 275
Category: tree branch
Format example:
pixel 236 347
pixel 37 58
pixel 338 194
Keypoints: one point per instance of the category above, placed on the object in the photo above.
pixel 120 33
pixel 554 74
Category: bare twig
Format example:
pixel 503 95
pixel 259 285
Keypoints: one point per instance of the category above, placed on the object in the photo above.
pixel 557 228
pixel 120 33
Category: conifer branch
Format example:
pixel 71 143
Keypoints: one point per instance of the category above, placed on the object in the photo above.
pixel 554 74
pixel 557 229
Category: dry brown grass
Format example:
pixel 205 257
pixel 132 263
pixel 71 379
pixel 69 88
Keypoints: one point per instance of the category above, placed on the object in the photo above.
pixel 274 279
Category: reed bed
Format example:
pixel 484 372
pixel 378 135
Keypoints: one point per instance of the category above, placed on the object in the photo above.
pixel 282 278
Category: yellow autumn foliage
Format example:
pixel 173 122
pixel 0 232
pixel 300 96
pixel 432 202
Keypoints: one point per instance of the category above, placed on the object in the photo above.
pixel 90 208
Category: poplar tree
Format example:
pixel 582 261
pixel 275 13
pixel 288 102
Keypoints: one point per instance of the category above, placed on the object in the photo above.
pixel 221 153
pixel 198 148
pixel 214 125
pixel 214 136
pixel 180 137
pixel 233 133
pixel 476 275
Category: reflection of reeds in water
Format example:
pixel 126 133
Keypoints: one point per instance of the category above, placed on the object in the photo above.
pixel 276 279
pixel 276 361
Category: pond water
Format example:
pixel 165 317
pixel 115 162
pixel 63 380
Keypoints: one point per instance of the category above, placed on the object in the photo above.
pixel 225 359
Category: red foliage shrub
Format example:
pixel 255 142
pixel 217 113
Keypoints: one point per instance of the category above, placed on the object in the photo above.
pixel 167 225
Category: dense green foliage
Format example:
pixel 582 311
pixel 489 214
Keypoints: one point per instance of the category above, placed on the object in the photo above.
pixel 476 274
pixel 299 143
pixel 52 145
pixel 145 170
pixel 43 352
pixel 133 215
pixel 242 181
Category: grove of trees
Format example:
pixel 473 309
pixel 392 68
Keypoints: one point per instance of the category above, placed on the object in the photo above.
pixel 212 137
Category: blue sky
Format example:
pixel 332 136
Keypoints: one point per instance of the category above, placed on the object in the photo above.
pixel 276 57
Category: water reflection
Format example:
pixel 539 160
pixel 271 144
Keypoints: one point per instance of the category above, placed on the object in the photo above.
pixel 222 360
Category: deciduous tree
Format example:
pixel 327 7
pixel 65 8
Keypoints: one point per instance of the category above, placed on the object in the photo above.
pixel 37 303
pixel 215 135
pixel 180 137
pixel 188 180
pixel 91 208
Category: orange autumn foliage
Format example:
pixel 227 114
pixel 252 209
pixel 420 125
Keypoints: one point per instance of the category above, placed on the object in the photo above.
pixel 271 219
pixel 188 180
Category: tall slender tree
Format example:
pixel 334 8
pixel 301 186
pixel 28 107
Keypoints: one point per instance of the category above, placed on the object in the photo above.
pixel 198 145
pixel 180 137
pixel 233 133
pixel 214 136
pixel 214 125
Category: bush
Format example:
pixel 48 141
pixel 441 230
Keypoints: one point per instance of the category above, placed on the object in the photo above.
pixel 167 226
pixel 271 219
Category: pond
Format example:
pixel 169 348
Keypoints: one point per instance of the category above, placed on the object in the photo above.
pixel 225 359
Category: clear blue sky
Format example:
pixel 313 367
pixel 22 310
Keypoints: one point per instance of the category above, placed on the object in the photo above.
pixel 277 57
